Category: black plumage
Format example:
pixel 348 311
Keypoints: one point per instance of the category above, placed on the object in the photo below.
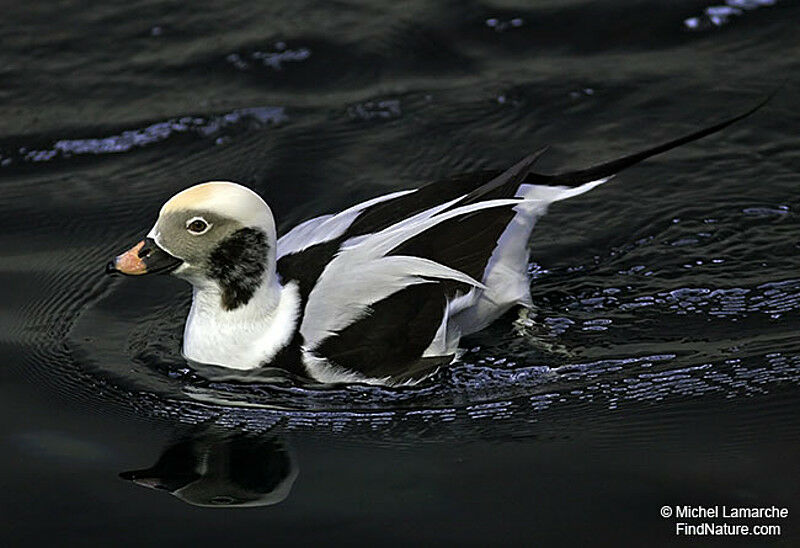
pixel 238 263
pixel 463 243
pixel 306 266
pixel 392 336
pixel 384 214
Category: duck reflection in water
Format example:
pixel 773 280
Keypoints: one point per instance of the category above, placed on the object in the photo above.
pixel 222 470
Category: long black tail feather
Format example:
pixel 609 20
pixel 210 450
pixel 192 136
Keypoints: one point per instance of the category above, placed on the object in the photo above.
pixel 607 169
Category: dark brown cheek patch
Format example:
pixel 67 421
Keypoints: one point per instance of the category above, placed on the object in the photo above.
pixel 130 263
pixel 238 264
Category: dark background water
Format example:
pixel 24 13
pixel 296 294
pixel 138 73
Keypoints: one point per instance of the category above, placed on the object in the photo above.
pixel 662 365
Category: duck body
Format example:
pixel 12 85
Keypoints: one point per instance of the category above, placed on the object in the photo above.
pixel 379 293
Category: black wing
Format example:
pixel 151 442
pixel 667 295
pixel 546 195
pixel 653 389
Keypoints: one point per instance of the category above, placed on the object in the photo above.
pixel 579 177
pixel 390 339
pixel 464 243
pixel 306 266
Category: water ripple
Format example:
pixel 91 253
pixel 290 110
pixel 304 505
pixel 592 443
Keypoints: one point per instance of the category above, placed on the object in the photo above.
pixel 274 59
pixel 154 133
pixel 716 16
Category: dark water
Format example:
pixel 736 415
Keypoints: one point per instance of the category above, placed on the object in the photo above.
pixel 662 365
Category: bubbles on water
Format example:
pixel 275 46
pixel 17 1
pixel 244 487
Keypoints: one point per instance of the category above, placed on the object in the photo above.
pixel 236 60
pixel 510 97
pixel 716 16
pixel 384 109
pixel 558 325
pixel 779 211
pixel 492 410
pixel 750 4
pixel 585 92
pixel 600 324
pixel 684 241
pixel 274 59
pixel 128 140
pixel 502 26
pixel 695 239
pixel 736 302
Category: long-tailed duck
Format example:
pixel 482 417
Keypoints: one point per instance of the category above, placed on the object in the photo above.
pixel 379 293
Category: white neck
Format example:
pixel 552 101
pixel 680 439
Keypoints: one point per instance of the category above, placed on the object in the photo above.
pixel 247 336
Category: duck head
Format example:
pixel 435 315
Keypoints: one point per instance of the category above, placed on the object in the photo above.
pixel 216 235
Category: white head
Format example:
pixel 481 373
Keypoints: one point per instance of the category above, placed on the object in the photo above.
pixel 212 234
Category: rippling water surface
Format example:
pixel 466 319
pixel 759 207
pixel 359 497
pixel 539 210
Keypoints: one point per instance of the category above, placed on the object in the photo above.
pixel 661 364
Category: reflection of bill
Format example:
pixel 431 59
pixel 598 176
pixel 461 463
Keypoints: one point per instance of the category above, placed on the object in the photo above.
pixel 222 471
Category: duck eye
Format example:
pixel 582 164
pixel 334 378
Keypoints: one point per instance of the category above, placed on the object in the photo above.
pixel 197 225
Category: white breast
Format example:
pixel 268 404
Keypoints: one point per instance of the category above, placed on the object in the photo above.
pixel 244 338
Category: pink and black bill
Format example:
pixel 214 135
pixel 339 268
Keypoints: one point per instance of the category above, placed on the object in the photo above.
pixel 143 258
